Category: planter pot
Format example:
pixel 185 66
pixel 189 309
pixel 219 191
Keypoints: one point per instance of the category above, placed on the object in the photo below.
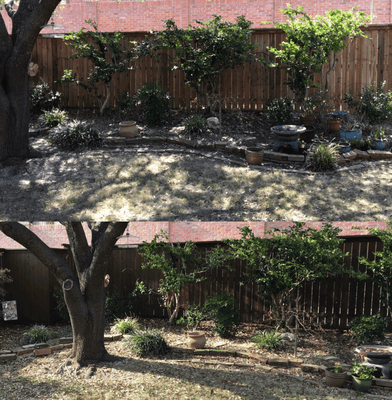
pixel 335 379
pixel 338 114
pixel 254 155
pixel 309 134
pixel 196 340
pixel 306 120
pixel 361 385
pixel 350 135
pixel 333 125
pixel 128 129
pixel 380 144
pixel 344 147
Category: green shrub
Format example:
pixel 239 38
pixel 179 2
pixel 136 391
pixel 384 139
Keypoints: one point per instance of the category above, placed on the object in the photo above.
pixel 323 157
pixel 374 103
pixel 54 117
pixel 193 315
pixel 369 329
pixel 118 305
pixel 268 340
pixel 220 309
pixel 195 124
pixel 156 101
pixel 127 325
pixel 147 343
pixel 363 144
pixel 280 110
pixel 61 307
pixel 76 134
pixel 125 103
pixel 42 98
pixel 37 334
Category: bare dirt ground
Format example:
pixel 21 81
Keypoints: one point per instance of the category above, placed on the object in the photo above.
pixel 181 375
pixel 169 182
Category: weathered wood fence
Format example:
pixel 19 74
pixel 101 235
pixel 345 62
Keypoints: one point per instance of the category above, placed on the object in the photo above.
pixel 246 88
pixel 335 301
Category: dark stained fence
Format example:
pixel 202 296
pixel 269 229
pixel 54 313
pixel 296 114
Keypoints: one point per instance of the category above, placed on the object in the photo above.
pixel 249 87
pixel 333 302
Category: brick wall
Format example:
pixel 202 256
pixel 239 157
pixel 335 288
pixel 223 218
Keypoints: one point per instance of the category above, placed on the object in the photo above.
pixel 130 16
pixel 54 234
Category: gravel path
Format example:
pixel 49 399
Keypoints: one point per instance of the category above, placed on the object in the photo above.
pixel 151 183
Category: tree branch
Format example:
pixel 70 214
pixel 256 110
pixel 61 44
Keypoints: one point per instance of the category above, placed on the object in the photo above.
pixel 8 5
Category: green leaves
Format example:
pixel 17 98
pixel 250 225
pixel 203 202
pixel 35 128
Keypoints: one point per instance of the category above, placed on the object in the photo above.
pixel 310 42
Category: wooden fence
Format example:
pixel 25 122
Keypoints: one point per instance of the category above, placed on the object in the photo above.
pixel 246 88
pixel 333 301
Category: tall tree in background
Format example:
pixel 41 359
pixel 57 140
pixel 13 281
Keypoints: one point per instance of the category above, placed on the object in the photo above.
pixel 15 52
pixel 84 292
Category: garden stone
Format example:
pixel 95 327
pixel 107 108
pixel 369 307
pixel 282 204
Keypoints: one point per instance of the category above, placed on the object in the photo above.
pixel 213 123
pixel 288 336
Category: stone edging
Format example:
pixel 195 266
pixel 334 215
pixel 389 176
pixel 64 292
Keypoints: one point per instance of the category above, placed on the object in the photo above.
pixel 380 157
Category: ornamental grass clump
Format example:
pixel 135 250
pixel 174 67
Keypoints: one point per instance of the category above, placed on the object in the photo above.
pixel 76 134
pixel 195 124
pixel 269 340
pixel 147 343
pixel 54 117
pixel 37 334
pixel 323 157
pixel 127 325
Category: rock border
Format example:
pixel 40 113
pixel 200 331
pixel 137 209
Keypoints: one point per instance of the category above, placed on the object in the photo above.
pixel 370 158
pixel 266 363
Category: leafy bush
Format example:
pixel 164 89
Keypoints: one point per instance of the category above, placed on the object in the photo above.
pixel 323 157
pixel 369 329
pixel 195 124
pixel 363 144
pixel 76 134
pixel 220 308
pixel 42 98
pixel 362 371
pixel 37 334
pixel 147 343
pixel 268 340
pixel 54 117
pixel 280 110
pixel 156 101
pixel 374 103
pixel 126 103
pixel 127 325
pixel 193 315
pixel 118 305
pixel 61 307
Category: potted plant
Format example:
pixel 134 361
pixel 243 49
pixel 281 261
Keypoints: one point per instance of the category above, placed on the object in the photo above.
pixel 380 143
pixel 309 108
pixel 362 376
pixel 335 376
pixel 351 127
pixel 193 316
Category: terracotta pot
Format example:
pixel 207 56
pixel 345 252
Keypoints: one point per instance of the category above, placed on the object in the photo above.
pixel 333 125
pixel 335 379
pixel 254 155
pixel 306 120
pixel 128 129
pixel 196 340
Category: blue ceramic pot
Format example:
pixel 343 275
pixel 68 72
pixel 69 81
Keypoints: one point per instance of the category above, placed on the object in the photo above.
pixel 380 144
pixel 350 135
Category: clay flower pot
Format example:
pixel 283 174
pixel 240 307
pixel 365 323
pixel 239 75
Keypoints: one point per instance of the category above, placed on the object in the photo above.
pixel 128 128
pixel 335 379
pixel 254 155
pixel 333 125
pixel 196 340
pixel 306 119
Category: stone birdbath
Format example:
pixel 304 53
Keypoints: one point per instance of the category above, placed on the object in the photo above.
pixel 376 356
pixel 287 135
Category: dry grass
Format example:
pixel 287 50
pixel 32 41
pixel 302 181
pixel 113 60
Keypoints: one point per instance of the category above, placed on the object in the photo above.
pixel 178 376
pixel 177 186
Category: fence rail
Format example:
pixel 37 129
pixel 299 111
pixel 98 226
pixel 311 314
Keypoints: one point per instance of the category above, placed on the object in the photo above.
pixel 332 301
pixel 249 87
